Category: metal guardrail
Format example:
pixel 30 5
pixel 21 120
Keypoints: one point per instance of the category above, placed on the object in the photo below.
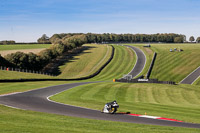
pixel 145 81
pixel 151 66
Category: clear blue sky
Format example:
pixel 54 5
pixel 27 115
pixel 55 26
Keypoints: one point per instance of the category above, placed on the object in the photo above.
pixel 27 20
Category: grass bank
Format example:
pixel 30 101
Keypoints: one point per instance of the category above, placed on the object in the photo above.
pixel 18 121
pixel 87 62
pixel 180 102
pixel 6 88
pixel 175 66
pixel 122 63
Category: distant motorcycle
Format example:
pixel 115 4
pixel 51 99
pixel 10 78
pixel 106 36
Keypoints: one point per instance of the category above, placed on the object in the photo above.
pixel 110 108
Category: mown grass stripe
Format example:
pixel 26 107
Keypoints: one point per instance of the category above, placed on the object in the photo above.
pixel 179 102
pixel 118 66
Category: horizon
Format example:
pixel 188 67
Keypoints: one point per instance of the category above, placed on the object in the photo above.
pixel 26 21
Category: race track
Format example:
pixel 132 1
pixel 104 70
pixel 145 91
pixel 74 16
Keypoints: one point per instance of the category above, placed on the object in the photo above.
pixel 192 77
pixel 140 63
pixel 37 100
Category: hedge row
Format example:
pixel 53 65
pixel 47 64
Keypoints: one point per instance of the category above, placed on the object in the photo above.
pixel 37 62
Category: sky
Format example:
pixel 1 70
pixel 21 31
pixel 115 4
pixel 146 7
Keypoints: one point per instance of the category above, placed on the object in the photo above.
pixel 27 20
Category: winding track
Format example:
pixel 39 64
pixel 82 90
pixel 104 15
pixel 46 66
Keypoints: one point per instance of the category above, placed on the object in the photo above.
pixel 37 100
pixel 140 63
pixel 192 77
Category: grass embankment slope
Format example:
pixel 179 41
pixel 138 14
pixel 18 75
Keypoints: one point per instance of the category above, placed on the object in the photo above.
pixel 180 102
pixel 82 65
pixel 122 63
pixel 87 62
pixel 175 66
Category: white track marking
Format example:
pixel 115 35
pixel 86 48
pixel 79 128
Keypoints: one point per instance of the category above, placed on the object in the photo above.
pixel 189 75
pixel 152 117
pixel 195 80
pixel 137 61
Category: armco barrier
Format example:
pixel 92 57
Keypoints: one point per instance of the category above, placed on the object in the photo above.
pixel 151 66
pixel 145 81
pixel 82 78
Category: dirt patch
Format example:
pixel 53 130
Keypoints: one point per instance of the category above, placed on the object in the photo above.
pixel 3 53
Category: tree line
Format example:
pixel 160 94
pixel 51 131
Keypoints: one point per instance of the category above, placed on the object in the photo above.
pixel 192 39
pixel 38 61
pixel 7 42
pixel 67 41
pixel 123 38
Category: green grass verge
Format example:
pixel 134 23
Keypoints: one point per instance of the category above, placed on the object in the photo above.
pixel 18 121
pixel 197 82
pixel 175 66
pixel 180 102
pixel 122 63
pixel 87 62
pixel 23 46
pixel 21 75
pixel 6 88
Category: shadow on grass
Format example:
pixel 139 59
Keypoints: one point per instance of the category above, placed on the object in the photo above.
pixel 66 58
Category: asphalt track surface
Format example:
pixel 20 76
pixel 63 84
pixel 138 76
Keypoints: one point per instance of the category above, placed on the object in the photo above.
pixel 192 77
pixel 140 63
pixel 38 100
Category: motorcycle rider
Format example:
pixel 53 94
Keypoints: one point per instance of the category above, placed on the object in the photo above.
pixel 108 108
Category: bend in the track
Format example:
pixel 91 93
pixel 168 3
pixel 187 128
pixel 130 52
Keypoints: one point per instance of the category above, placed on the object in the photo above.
pixel 140 62
pixel 37 100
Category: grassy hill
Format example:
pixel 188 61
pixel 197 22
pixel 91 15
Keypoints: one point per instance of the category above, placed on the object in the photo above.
pixel 87 62
pixel 122 63
pixel 180 102
pixel 175 66
pixel 83 64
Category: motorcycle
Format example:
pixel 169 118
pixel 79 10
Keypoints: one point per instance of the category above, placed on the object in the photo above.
pixel 110 107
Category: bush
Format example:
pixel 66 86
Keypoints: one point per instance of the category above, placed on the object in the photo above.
pixel 58 49
pixel 4 62
pixel 37 62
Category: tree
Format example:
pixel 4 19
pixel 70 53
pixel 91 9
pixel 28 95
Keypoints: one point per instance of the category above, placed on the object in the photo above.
pixel 178 40
pixel 44 39
pixel 198 40
pixel 191 39
pixel 4 62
